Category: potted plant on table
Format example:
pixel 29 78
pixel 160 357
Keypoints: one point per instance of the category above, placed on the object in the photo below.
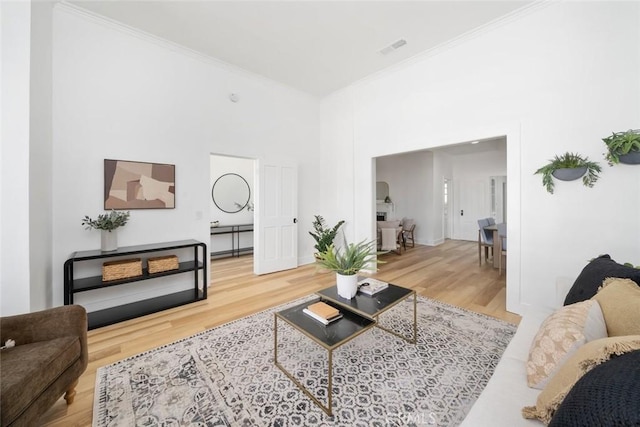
pixel 323 236
pixel 347 262
pixel 107 224
pixel 569 167
pixel 623 147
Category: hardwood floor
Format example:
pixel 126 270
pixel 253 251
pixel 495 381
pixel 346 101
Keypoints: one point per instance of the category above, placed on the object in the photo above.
pixel 448 273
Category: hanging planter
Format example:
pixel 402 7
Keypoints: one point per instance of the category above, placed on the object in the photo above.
pixel 569 174
pixel 569 167
pixel 623 147
pixel 632 158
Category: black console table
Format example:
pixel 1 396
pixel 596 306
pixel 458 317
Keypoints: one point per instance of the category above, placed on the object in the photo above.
pixel 108 316
pixel 234 230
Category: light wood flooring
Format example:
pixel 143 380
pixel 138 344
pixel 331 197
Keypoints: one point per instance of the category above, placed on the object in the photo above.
pixel 448 273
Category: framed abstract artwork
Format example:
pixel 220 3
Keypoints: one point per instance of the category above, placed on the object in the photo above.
pixel 139 185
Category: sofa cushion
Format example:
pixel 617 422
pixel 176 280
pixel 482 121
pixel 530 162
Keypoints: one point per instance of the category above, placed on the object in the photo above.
pixel 559 336
pixel 501 400
pixel 528 327
pixel 594 273
pixel 608 395
pixel 27 370
pixel 620 303
pixel 587 357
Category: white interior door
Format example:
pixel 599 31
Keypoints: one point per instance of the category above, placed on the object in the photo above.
pixel 276 237
pixel 470 197
pixel 447 192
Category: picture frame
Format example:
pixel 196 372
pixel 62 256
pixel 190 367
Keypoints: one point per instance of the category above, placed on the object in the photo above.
pixel 138 185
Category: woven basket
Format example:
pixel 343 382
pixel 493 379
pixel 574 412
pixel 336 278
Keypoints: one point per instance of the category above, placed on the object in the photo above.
pixel 162 263
pixel 121 269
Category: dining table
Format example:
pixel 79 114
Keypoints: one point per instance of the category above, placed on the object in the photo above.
pixel 496 245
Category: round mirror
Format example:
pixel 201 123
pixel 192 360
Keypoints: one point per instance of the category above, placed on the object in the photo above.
pixel 231 193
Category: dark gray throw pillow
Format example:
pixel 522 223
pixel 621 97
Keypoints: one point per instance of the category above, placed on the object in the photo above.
pixel 607 395
pixel 594 273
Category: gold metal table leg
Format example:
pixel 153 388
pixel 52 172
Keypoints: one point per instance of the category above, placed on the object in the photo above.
pixel 412 340
pixel 327 409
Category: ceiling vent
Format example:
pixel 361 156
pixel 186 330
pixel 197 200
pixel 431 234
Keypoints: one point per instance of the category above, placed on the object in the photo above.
pixel 393 46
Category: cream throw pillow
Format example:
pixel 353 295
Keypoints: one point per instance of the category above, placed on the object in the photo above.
pixel 561 335
pixel 620 303
pixel 586 358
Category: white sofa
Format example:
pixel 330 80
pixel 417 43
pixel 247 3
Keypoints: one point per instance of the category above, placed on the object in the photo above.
pixel 506 393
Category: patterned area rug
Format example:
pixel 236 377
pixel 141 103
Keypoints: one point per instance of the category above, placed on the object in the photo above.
pixel 226 376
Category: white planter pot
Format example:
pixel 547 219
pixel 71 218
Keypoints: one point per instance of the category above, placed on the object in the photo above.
pixel 347 285
pixel 109 240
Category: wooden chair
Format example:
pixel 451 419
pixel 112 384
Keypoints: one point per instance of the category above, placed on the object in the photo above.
pixel 485 239
pixel 502 244
pixel 408 227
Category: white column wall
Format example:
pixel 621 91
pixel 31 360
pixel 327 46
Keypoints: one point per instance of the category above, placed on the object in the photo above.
pixel 40 152
pixel 120 94
pixel 546 81
pixel 15 45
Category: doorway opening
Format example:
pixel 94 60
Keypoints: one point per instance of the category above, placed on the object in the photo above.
pixel 231 206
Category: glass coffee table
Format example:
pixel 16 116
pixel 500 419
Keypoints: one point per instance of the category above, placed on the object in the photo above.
pixel 329 336
pixel 359 315
pixel 372 306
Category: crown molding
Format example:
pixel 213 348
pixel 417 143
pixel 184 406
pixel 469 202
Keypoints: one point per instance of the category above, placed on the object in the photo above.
pixel 65 6
pixel 452 43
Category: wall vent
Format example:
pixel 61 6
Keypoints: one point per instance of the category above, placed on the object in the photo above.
pixel 393 46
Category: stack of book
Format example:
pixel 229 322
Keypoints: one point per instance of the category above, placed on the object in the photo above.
pixel 371 286
pixel 322 312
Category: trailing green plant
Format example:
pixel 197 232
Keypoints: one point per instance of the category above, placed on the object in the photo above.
pixel 621 143
pixel 323 236
pixel 349 259
pixel 108 222
pixel 569 161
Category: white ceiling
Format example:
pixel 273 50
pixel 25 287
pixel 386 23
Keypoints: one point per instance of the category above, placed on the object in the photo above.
pixel 314 46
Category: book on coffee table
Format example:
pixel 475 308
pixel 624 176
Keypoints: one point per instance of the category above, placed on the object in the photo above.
pixel 371 286
pixel 320 318
pixel 323 310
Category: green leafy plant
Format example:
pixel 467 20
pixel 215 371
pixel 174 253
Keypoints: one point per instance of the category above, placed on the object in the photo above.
pixel 621 143
pixel 323 236
pixel 569 161
pixel 350 259
pixel 108 222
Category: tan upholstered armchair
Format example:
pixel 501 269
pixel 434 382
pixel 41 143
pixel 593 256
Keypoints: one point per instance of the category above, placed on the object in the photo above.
pixel 389 236
pixel 49 356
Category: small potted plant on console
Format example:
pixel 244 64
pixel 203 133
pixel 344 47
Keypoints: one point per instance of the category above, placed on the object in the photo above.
pixel 107 224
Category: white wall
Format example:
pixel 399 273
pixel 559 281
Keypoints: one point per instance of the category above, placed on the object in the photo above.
pixel 40 153
pixel 15 34
pixel 544 80
pixel 122 95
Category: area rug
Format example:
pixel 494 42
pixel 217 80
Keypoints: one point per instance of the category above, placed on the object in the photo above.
pixel 226 376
